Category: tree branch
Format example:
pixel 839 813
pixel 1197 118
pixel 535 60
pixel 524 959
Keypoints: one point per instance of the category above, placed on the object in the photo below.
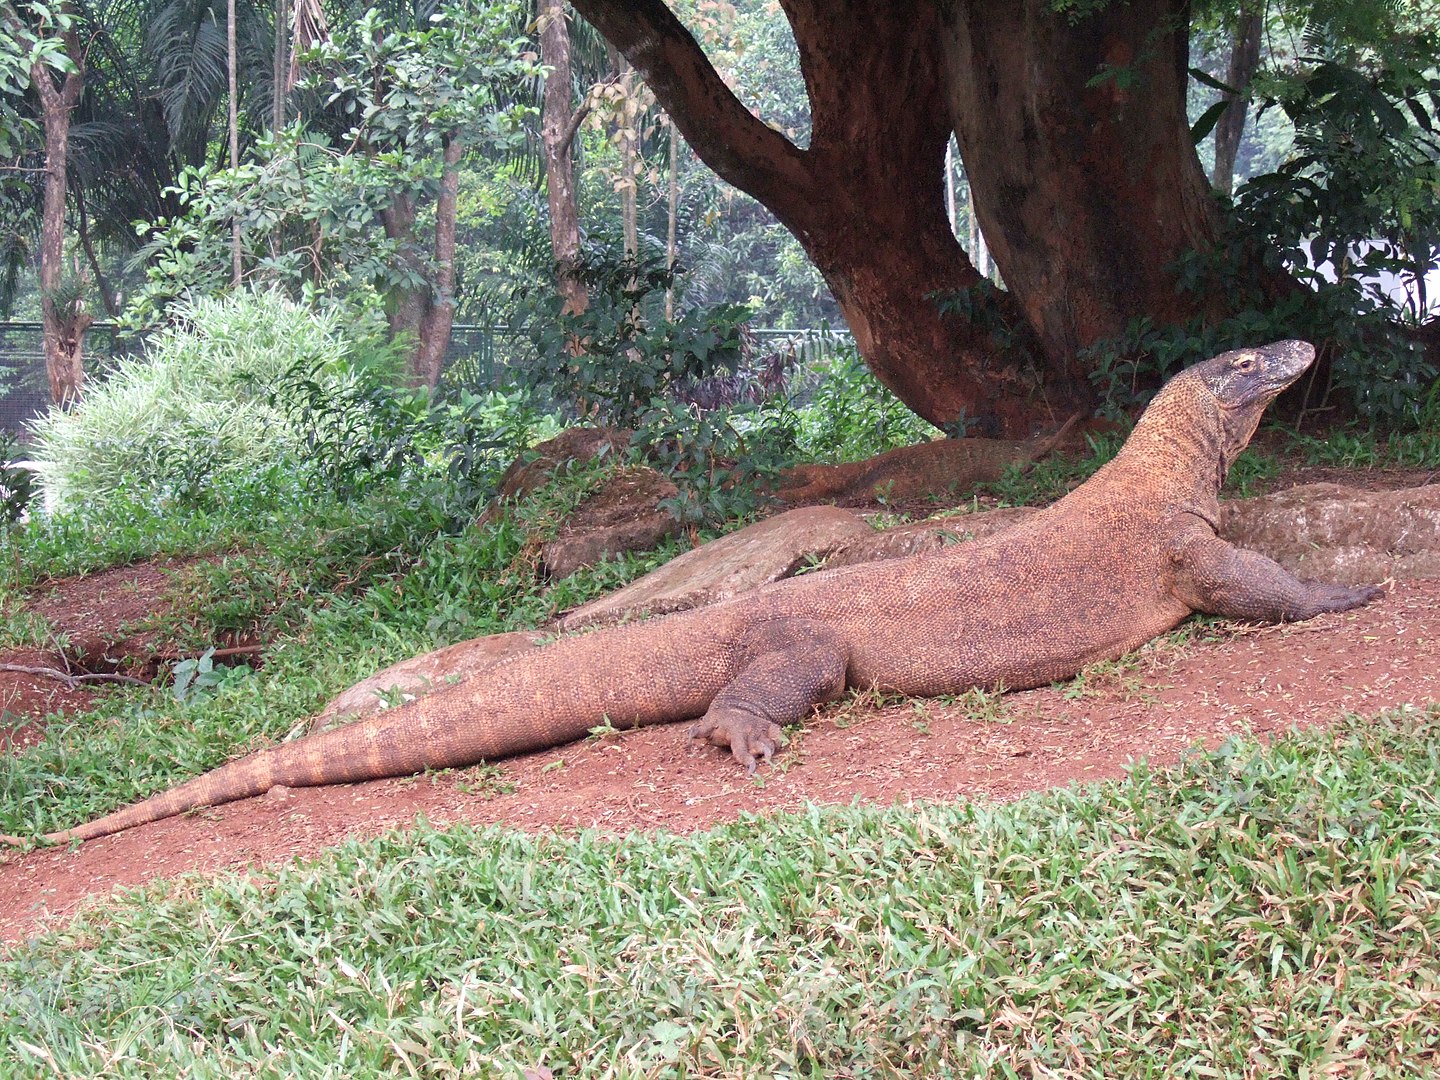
pixel 72 680
pixel 740 147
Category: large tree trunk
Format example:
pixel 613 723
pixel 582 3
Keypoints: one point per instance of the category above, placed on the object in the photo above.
pixel 65 321
pixel 557 134
pixel 1244 59
pixel 866 197
pixel 1077 145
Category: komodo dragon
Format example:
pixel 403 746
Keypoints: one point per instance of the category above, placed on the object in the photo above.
pixel 1124 557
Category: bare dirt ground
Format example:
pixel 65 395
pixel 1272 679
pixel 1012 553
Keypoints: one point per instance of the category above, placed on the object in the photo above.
pixel 1170 696
pixel 1264 680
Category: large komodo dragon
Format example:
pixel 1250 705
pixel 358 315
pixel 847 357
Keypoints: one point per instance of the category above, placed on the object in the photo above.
pixel 1124 557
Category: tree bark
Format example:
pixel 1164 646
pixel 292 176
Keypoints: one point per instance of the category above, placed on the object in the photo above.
pixel 427 311
pixel 556 136
pixel 232 61
pixel 407 304
pixel 1078 149
pixel 437 315
pixel 65 322
pixel 280 64
pixel 1244 59
pixel 865 198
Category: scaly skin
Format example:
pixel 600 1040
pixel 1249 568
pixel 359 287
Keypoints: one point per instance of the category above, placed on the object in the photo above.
pixel 1124 557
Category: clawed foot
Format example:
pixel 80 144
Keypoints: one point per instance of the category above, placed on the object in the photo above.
pixel 748 737
pixel 1345 598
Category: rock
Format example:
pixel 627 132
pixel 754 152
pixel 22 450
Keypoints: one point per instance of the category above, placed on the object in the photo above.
pixel 420 675
pixel 536 466
pixel 1346 536
pixel 623 515
pixel 761 553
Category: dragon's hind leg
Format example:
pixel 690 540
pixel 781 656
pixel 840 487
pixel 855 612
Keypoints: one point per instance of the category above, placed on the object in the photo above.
pixel 789 666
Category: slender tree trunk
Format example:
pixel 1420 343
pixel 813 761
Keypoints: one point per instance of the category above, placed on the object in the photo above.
pixel 629 153
pixel 1244 59
pixel 427 312
pixel 950 211
pixel 280 65
pixel 102 283
pixel 65 321
pixel 672 220
pixel 978 253
pixel 232 74
pixel 438 308
pixel 408 304
pixel 557 133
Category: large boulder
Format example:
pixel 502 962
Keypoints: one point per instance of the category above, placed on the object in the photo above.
pixel 1347 536
pixel 623 515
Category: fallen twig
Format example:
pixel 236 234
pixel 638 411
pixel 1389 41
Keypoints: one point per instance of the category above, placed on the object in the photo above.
pixel 72 680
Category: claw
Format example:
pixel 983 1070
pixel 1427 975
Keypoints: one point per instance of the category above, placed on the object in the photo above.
pixel 746 736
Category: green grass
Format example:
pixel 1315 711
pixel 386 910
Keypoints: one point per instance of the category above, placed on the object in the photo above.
pixel 1255 913
pixel 340 590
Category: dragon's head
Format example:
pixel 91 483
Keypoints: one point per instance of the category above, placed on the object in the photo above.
pixel 1215 406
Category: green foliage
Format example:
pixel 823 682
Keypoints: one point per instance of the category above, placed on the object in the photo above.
pixel 612 359
pixel 1228 917
pixel 17 485
pixel 849 414
pixel 194 408
pixel 1055 476
pixel 335 219
pixel 198 677
pixel 623 363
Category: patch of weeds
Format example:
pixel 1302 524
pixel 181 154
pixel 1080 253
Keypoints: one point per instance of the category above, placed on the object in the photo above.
pixel 988 706
pixel 1359 448
pixel 485 781
pixel 604 729
pixel 1251 473
pixel 922 716
pixel 887 519
pixel 21 628
pixel 810 563
pixel 860 705
pixel 1124 677
pixel 199 677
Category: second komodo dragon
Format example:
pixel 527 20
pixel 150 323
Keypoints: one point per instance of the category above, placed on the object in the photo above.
pixel 1124 557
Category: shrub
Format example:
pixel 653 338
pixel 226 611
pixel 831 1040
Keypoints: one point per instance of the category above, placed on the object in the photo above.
pixel 195 407
pixel 850 415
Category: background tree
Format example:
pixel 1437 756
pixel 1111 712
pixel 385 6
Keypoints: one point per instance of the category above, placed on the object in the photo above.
pixel 558 128
pixel 1072 124
pixel 46 42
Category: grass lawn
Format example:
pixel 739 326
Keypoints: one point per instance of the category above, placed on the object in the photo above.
pixel 1254 913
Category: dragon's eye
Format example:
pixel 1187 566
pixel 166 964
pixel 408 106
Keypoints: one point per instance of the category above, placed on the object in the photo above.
pixel 1244 362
